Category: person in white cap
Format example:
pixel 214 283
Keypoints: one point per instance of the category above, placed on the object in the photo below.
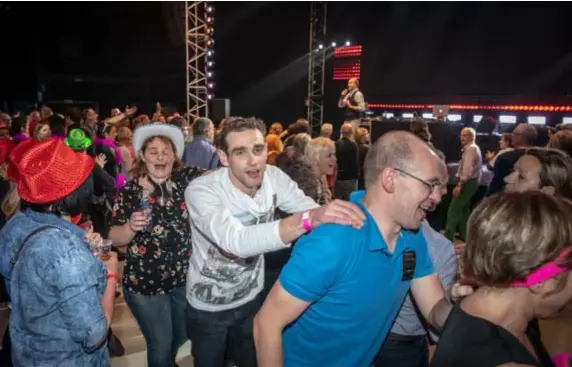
pixel 151 223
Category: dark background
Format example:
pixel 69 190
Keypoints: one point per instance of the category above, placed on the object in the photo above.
pixel 123 53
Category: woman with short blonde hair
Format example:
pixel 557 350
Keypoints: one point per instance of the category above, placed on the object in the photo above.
pixel 519 254
pixel 320 154
pixel 318 151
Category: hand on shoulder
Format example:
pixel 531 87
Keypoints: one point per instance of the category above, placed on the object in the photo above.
pixel 338 212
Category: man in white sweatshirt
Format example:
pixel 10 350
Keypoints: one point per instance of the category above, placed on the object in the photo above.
pixel 232 222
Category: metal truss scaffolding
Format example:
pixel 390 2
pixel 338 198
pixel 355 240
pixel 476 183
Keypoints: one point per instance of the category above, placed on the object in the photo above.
pixel 317 64
pixel 199 32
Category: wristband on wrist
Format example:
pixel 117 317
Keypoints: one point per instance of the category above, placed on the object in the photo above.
pixel 306 221
pixel 112 276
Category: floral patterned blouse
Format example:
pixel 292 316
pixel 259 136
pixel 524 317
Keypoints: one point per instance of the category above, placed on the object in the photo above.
pixel 157 258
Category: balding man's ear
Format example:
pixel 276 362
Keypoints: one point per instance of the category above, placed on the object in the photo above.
pixel 387 179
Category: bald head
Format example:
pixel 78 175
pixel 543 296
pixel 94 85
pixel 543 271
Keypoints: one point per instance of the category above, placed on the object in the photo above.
pixel 395 149
pixel 347 130
pixel 524 135
pixel 353 83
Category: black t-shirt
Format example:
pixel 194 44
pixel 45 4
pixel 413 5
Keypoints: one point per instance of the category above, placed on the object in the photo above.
pixel 469 341
pixel 348 160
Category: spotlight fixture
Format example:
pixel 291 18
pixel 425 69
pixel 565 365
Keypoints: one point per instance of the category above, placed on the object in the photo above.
pixel 320 46
pixel 333 44
pixel 348 43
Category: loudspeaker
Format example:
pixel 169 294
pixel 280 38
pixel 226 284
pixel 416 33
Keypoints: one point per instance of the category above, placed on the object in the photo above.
pixel 219 109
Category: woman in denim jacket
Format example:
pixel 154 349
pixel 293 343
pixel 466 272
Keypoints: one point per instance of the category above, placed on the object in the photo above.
pixel 62 303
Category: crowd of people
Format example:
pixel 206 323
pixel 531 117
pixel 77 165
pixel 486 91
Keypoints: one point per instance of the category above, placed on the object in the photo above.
pixel 279 248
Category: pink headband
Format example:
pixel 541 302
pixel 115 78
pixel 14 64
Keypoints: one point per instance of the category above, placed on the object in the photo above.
pixel 545 272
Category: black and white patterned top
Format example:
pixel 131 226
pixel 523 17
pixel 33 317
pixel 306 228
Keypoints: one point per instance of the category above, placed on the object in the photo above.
pixel 157 259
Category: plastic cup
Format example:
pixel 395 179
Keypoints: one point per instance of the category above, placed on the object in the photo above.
pixel 102 249
pixel 148 213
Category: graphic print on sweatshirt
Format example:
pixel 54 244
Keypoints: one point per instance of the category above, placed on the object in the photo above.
pixel 225 278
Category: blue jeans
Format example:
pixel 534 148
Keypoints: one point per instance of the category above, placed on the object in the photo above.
pixel 213 334
pixel 162 322
pixel 411 353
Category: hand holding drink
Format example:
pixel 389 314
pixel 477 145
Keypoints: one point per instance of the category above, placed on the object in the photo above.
pixel 141 219
pixel 101 249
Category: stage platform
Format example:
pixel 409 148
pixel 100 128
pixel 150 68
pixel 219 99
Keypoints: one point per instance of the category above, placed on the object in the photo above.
pixel 445 135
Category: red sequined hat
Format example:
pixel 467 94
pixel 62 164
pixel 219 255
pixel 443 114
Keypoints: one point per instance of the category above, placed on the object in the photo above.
pixel 48 171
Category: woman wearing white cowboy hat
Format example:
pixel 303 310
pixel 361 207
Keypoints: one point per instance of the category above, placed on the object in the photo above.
pixel 150 222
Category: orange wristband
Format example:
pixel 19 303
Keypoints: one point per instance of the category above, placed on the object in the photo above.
pixel 113 276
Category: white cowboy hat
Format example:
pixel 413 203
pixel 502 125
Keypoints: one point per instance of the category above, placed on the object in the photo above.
pixel 142 133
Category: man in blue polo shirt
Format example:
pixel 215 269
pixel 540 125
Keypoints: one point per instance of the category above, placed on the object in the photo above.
pixel 339 293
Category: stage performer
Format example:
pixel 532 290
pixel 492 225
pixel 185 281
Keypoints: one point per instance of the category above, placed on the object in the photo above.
pixel 353 102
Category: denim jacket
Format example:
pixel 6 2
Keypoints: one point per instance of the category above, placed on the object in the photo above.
pixel 55 287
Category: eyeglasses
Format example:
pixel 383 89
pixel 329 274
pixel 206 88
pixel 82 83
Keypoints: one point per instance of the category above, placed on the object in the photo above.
pixel 433 186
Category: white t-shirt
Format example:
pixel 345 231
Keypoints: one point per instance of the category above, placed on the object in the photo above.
pixel 230 231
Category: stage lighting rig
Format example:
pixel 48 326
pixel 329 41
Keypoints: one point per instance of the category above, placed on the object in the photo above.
pixel 200 30
pixel 317 64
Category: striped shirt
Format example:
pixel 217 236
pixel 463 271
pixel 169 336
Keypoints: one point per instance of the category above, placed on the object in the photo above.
pixel 442 253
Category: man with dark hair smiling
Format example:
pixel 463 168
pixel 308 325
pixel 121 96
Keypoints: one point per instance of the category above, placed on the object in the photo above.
pixel 232 219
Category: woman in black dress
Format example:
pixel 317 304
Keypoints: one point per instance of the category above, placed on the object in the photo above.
pixel 519 255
